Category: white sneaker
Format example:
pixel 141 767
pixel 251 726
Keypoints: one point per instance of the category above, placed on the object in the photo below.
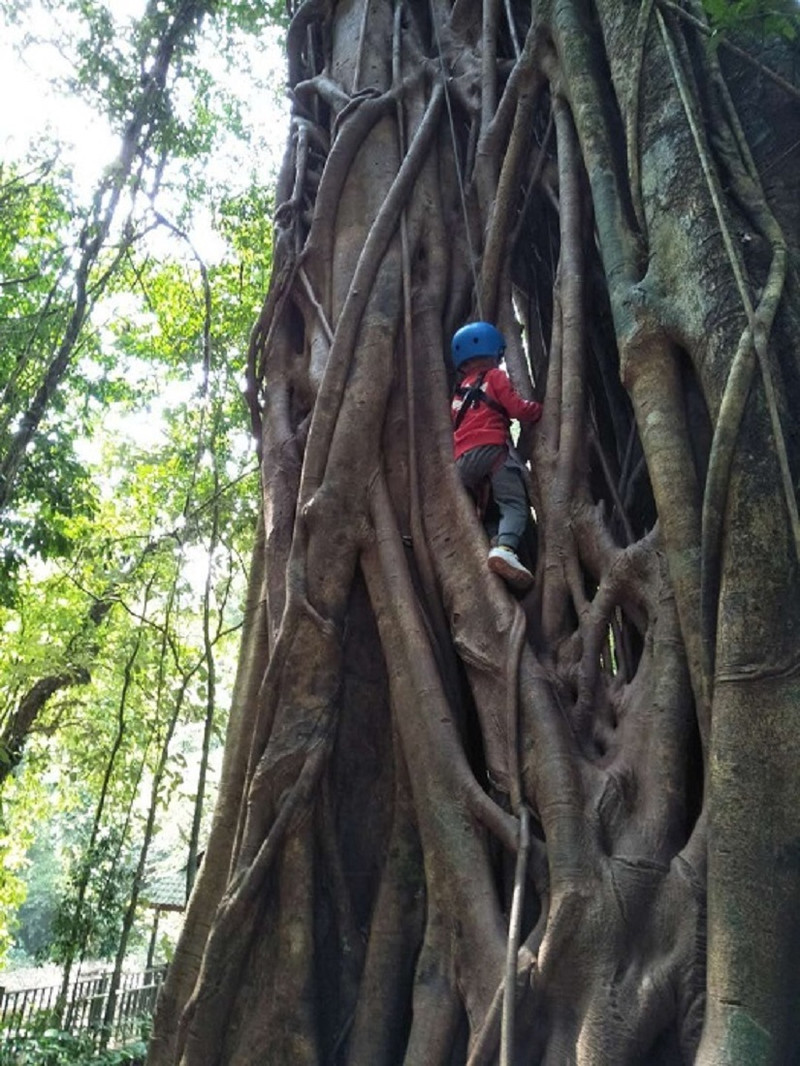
pixel 503 561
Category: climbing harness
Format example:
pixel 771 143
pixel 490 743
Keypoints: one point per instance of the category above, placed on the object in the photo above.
pixel 472 396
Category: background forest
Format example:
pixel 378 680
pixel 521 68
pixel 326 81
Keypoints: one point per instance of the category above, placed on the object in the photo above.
pixel 134 252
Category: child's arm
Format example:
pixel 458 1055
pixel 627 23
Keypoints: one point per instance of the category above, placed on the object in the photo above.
pixel 523 410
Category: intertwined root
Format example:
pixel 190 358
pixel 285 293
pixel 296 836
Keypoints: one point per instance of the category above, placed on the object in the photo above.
pixel 400 717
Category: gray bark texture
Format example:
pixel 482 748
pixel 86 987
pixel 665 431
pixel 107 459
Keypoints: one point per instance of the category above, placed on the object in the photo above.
pixel 457 827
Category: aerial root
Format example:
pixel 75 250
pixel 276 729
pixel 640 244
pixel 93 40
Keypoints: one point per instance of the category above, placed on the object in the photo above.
pixel 753 339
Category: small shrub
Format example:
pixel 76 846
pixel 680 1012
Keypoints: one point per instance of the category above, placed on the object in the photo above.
pixel 56 1048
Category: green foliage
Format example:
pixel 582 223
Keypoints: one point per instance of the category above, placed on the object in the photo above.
pixel 757 18
pixel 133 73
pixel 52 1047
pixel 43 884
pixel 24 804
pixel 124 551
pixel 53 488
pixel 53 485
pixel 253 15
pixel 88 915
pixel 12 886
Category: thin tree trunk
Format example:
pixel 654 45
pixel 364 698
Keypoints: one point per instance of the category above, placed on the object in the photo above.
pixel 211 700
pixel 88 871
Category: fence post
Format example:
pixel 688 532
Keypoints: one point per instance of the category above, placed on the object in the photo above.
pixel 97 1006
pixel 92 1006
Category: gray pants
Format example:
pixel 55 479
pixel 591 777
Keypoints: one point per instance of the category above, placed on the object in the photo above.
pixel 497 463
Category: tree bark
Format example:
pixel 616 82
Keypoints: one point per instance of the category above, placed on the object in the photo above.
pixel 581 180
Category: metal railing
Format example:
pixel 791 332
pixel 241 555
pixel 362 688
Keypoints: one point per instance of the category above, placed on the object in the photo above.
pixel 84 1008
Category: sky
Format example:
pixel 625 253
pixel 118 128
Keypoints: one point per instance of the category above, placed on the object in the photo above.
pixel 25 79
pixel 88 144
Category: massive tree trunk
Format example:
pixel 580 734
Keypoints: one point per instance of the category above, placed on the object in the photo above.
pixel 430 785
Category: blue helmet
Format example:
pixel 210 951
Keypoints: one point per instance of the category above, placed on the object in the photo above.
pixel 474 340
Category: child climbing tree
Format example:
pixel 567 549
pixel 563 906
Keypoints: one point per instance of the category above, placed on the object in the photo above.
pixel 458 827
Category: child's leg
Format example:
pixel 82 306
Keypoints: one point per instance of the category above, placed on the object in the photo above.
pixel 475 470
pixel 478 463
pixel 511 498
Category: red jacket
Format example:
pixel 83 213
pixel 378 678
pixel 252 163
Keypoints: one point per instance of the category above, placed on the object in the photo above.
pixel 488 422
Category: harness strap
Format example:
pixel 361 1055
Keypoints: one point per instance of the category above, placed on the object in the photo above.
pixel 473 395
